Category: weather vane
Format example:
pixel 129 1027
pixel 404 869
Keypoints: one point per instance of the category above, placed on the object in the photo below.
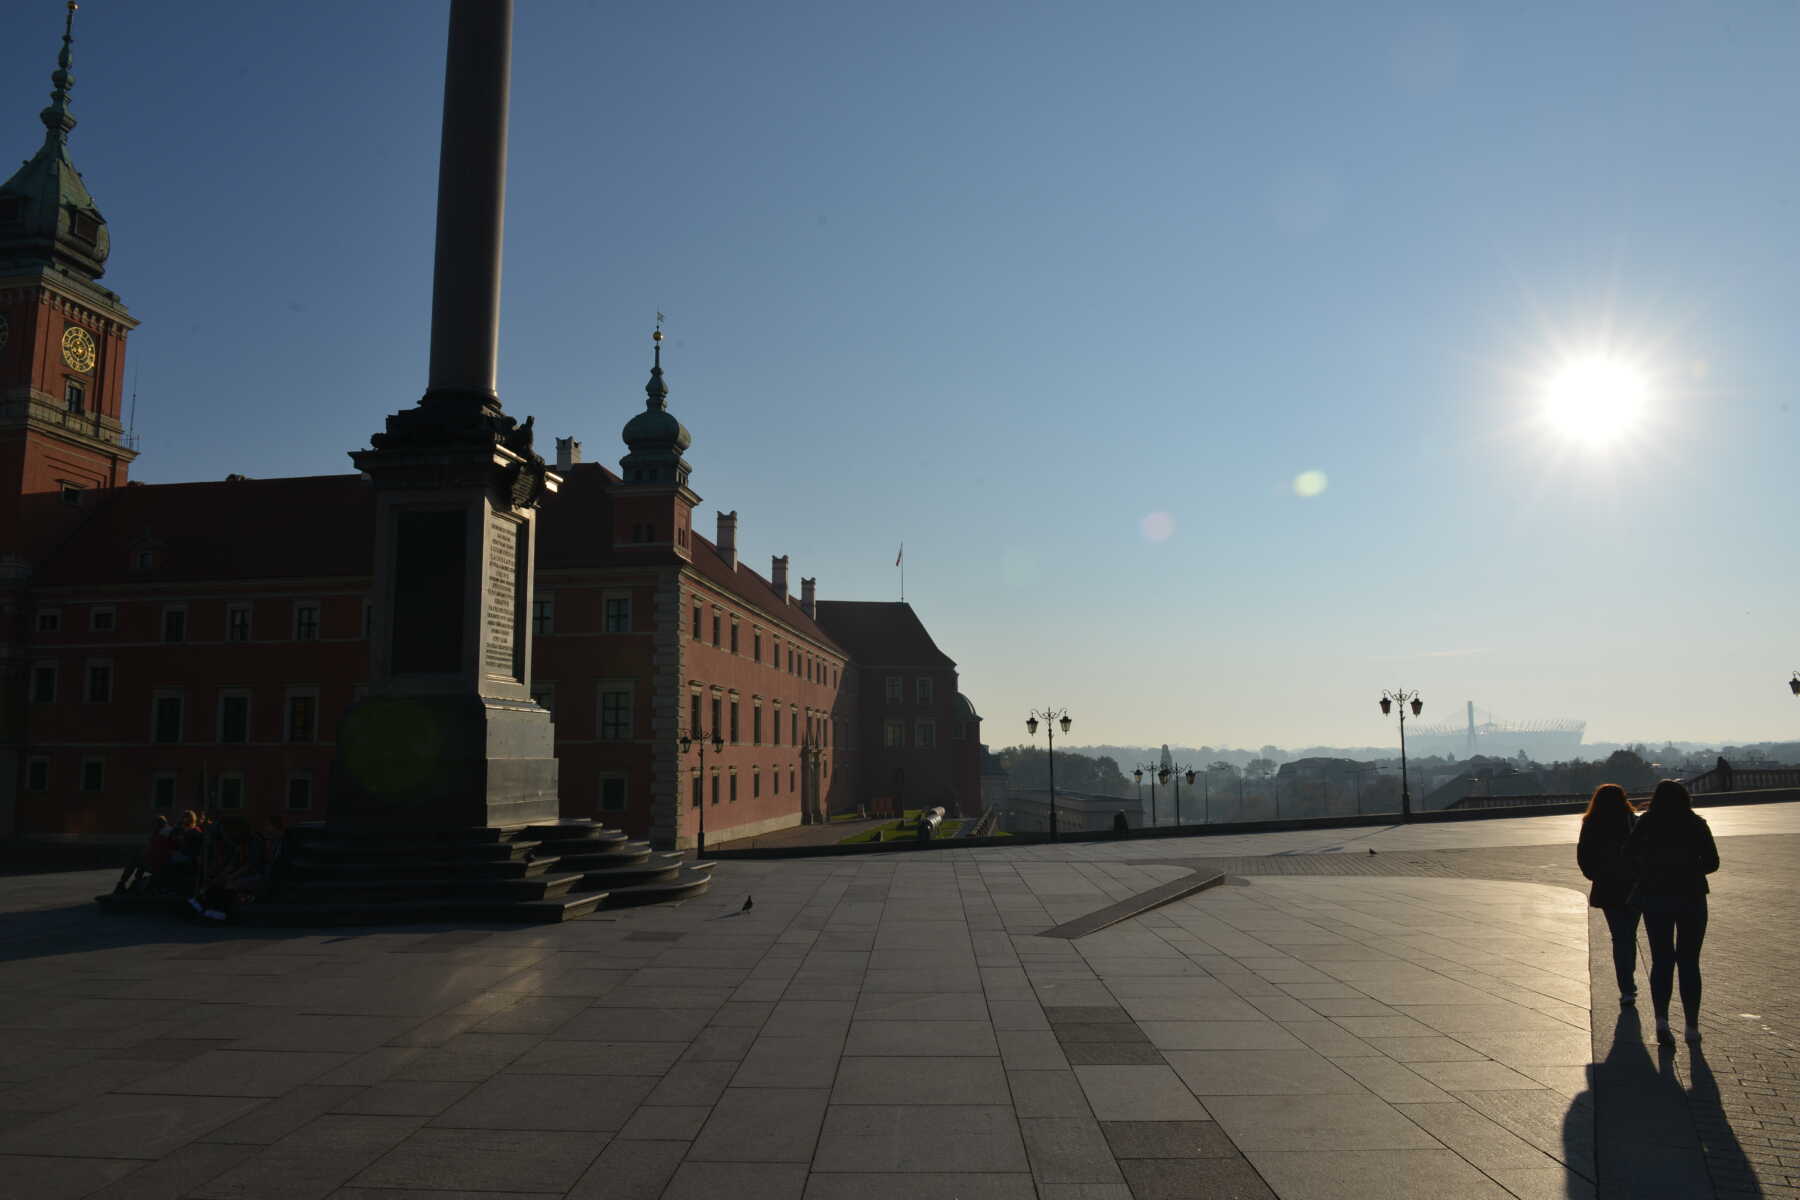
pixel 658 336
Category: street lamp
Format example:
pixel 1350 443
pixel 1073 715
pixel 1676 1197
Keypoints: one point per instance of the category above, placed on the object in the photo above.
pixel 1138 774
pixel 1052 717
pixel 1178 772
pixel 688 742
pixel 1794 683
pixel 1407 700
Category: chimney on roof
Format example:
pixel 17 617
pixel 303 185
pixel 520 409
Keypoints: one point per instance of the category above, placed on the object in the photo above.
pixel 568 453
pixel 808 590
pixel 727 539
pixel 778 575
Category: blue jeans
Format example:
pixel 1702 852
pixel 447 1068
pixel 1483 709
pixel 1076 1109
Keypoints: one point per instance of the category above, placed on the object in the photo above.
pixel 1675 940
pixel 1622 920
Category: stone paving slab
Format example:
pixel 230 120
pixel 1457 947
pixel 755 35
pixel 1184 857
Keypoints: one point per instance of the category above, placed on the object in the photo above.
pixel 1326 1023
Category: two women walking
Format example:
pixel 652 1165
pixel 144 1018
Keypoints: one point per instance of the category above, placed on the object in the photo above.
pixel 1651 867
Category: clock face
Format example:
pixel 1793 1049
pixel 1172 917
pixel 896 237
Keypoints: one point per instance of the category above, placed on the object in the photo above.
pixel 78 349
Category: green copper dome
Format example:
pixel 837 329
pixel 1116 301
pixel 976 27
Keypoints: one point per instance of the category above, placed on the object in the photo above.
pixel 657 440
pixel 46 214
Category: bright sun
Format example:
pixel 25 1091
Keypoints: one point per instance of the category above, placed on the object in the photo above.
pixel 1596 400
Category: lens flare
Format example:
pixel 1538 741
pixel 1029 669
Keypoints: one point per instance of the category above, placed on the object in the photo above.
pixel 1308 484
pixel 1156 526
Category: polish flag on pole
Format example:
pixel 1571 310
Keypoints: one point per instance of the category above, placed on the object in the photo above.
pixel 900 555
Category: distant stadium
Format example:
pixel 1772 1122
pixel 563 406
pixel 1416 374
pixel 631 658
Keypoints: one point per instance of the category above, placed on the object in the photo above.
pixel 1555 740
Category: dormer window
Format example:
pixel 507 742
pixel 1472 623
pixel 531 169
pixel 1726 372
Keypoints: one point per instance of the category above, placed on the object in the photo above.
pixel 84 226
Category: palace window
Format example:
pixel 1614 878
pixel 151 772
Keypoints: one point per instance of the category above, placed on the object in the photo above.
pixel 694 729
pixel 174 625
pixel 696 622
pixel 231 790
pixel 896 689
pixel 234 718
pixel 93 774
pixel 165 718
pixel 49 621
pixel 717 626
pixel 893 734
pixel 925 735
pixel 694 798
pixel 103 618
pixel 299 791
pixel 755 783
pixel 306 622
pixel 302 716
pixel 74 396
pixel 615 713
pixel 237 623
pixel 99 683
pixel 734 723
pixel 37 775
pixel 43 684
pixel 162 790
pixel 756 723
pixel 618 614
pixel 717 726
pixel 543 615
pixel 734 635
pixel 756 645
pixel 922 689
pixel 715 787
pixel 733 796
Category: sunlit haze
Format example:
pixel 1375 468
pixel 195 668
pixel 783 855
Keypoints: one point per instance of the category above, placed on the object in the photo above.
pixel 1219 366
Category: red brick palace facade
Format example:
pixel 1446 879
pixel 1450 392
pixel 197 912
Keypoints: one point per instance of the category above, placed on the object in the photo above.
pixel 174 646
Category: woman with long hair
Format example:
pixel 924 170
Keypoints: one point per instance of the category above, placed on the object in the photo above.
pixel 1672 852
pixel 1600 853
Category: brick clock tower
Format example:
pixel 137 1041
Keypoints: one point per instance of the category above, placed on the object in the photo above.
pixel 62 337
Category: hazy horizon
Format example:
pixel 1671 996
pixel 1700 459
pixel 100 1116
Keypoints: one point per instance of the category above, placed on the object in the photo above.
pixel 1218 368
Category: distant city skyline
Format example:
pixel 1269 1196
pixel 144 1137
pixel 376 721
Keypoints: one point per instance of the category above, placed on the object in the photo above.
pixel 1218 369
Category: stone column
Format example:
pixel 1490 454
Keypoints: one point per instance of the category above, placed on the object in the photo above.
pixel 448 737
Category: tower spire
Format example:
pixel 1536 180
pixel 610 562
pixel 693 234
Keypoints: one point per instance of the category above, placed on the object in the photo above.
pixel 57 119
pixel 656 389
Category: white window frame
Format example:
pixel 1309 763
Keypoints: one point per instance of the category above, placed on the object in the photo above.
pixel 173 779
pixel 893 734
pixel 287 795
pixel 234 693
pixel 157 696
pixel 163 629
pixel 110 612
pixel 243 791
pixel 896 689
pixel 249 628
pixel 924 690
pixel 87 681
pixel 287 714
pixel 925 734
pixel 607 600
pixel 606 687
pixel 318 613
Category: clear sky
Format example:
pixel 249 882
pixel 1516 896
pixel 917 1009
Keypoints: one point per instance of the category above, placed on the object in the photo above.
pixel 1068 297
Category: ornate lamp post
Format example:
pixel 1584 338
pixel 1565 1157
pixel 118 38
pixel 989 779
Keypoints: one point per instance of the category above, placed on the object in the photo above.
pixel 1794 683
pixel 1138 774
pixel 1177 772
pixel 688 742
pixel 1052 717
pixel 1406 700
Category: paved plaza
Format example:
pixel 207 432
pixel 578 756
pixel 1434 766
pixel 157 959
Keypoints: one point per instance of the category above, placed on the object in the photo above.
pixel 1425 1021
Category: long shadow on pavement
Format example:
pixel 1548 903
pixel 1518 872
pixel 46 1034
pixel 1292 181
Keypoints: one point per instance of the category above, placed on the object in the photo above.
pixel 1644 1140
pixel 1725 1157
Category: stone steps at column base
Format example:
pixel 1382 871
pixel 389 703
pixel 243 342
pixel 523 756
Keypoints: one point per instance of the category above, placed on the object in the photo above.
pixel 444 908
pixel 694 879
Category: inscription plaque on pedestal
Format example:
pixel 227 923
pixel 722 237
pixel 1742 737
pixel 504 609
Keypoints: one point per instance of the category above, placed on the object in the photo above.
pixel 502 654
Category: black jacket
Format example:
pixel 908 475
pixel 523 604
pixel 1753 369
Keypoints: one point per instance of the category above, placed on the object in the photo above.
pixel 1601 856
pixel 1673 860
